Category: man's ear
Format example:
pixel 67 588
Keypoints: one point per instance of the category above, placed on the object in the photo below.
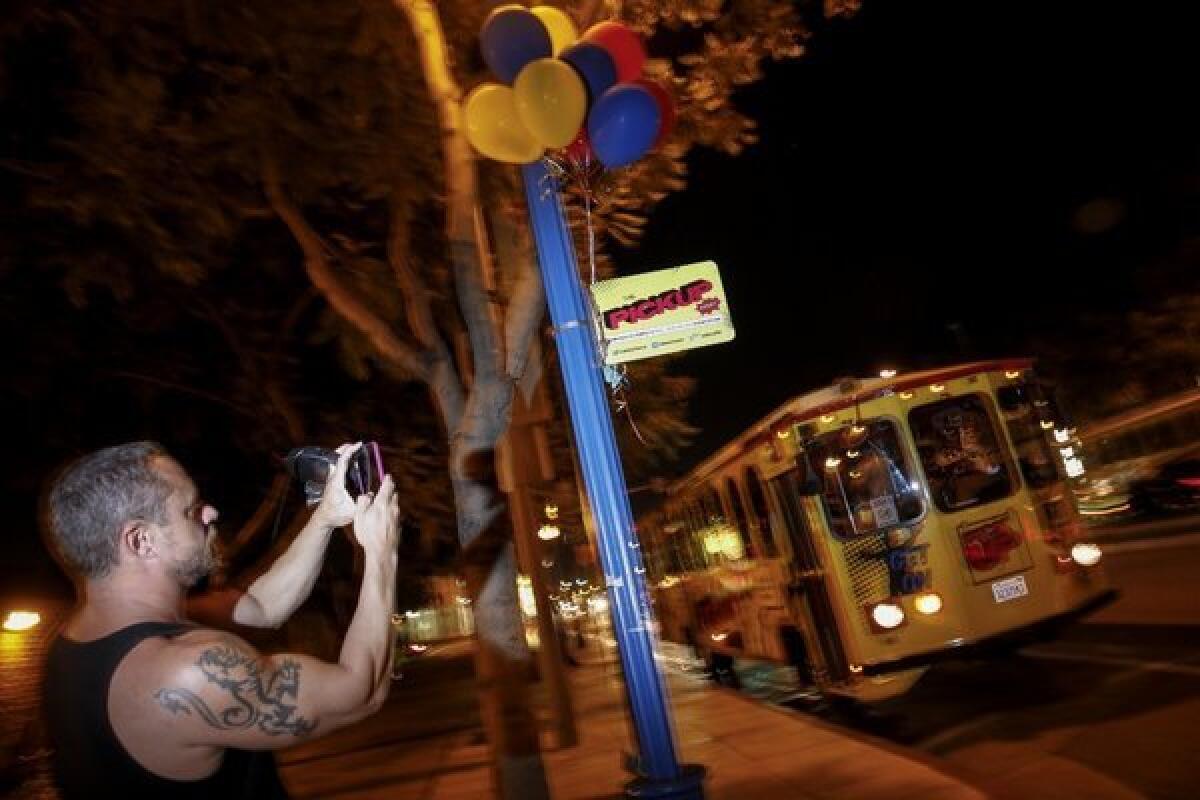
pixel 136 539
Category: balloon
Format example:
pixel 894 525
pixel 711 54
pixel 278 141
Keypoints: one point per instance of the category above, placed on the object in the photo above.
pixel 622 124
pixel 594 64
pixel 622 44
pixel 510 39
pixel 666 108
pixel 579 151
pixel 494 127
pixel 551 101
pixel 558 25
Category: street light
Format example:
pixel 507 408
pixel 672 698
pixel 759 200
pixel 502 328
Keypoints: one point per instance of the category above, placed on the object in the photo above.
pixel 21 620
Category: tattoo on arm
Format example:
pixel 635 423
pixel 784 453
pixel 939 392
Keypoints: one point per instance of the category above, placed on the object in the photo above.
pixel 266 701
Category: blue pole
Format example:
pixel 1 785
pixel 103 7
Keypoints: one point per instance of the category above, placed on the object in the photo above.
pixel 570 312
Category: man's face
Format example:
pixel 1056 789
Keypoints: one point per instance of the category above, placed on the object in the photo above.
pixel 190 532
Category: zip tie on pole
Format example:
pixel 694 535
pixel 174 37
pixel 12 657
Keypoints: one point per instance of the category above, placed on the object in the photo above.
pixel 566 326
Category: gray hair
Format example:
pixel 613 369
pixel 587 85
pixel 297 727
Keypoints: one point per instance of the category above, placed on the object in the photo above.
pixel 96 496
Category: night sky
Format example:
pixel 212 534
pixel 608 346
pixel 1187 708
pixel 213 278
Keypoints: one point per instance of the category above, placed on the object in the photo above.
pixel 1001 166
pixel 934 181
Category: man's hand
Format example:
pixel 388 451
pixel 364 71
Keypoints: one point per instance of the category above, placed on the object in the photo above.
pixel 336 507
pixel 376 520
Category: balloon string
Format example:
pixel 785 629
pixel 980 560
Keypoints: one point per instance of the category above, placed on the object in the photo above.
pixel 587 212
pixel 621 397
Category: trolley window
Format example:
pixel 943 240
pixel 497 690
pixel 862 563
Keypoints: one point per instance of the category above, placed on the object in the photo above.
pixel 868 484
pixel 961 453
pixel 1034 455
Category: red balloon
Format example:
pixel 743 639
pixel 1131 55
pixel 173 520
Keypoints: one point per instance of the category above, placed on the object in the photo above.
pixel 666 108
pixel 623 45
pixel 579 151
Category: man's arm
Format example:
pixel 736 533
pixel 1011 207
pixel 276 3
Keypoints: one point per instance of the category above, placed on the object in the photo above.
pixel 274 595
pixel 220 692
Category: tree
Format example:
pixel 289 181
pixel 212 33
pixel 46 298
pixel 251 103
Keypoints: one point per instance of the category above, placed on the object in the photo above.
pixel 189 129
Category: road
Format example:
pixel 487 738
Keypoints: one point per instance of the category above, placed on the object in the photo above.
pixel 1111 710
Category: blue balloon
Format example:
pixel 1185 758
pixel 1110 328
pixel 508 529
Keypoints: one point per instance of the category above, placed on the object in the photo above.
pixel 623 124
pixel 594 65
pixel 510 39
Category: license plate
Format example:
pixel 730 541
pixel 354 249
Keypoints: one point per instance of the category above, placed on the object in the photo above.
pixel 1009 589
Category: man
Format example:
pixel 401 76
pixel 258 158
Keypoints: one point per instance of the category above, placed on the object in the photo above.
pixel 140 702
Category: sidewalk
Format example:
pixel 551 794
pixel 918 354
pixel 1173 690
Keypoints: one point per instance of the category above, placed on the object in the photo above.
pixel 750 750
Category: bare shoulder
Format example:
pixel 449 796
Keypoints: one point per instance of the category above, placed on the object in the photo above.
pixel 219 690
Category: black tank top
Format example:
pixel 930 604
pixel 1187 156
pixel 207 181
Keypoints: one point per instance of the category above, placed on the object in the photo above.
pixel 89 760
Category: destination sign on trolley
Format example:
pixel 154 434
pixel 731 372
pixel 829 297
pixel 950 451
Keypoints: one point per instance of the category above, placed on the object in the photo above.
pixel 662 312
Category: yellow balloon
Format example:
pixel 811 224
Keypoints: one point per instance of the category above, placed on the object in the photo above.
pixel 495 129
pixel 551 101
pixel 558 25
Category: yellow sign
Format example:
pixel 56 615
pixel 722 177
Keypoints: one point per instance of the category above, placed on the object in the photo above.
pixel 662 312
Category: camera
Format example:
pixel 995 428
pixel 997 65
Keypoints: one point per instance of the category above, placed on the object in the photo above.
pixel 311 467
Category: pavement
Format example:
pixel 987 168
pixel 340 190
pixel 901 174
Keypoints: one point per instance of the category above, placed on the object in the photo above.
pixel 750 750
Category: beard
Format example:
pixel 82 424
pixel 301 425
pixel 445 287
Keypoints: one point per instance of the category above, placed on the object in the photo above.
pixel 200 563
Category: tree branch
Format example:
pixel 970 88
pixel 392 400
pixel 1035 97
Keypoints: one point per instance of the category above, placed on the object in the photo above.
pixel 465 232
pixel 341 297
pixel 185 389
pixel 526 302
pixel 444 380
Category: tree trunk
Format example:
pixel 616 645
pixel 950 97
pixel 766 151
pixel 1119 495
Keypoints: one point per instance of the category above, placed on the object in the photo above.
pixel 502 659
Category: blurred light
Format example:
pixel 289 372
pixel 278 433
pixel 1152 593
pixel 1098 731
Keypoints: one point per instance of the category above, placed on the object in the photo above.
pixel 1086 554
pixel 397 619
pixel 855 474
pixel 887 373
pixel 21 620
pixel 720 637
pixel 1104 512
pixel 928 602
pixel 1098 215
pixel 783 433
pixel 548 532
pixel 855 668
pixel 1047 424
pixel 1066 452
pixel 1074 467
pixel 525 598
pixel 915 486
pixel 906 395
pixel 938 388
pixel 887 615
pixel 1062 436
pixel 852 454
pixel 547 563
pixel 582 582
pixel 857 430
pixel 417 647
pixel 827 418
pixel 832 463
pixel 551 511
pixel 463 601
pixel 1012 374
pixel 598 604
pixel 411 614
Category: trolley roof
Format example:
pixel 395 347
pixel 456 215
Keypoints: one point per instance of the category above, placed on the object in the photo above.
pixel 831 399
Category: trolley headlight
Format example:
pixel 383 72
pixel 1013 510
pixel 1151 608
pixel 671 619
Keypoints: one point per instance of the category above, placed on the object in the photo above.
pixel 1086 554
pixel 928 602
pixel 887 615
